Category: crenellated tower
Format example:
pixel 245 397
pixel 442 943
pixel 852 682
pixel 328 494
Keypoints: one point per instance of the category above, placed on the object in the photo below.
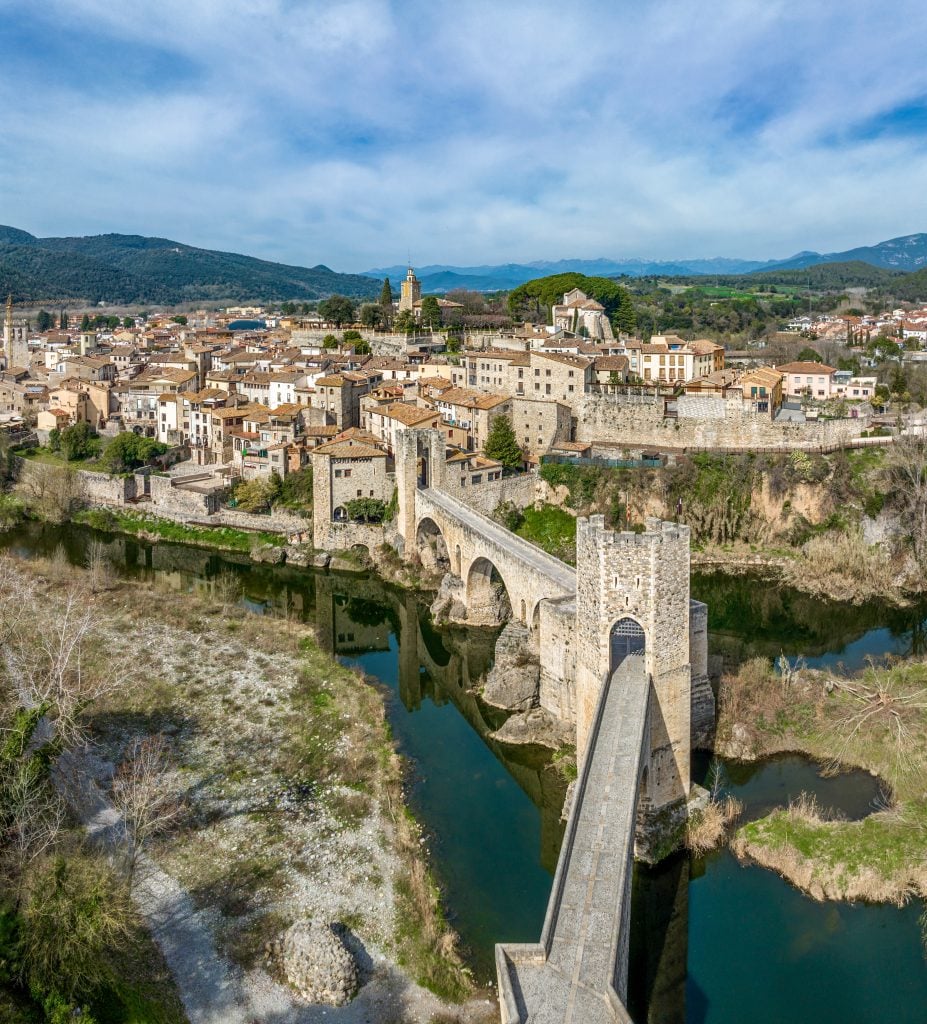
pixel 632 599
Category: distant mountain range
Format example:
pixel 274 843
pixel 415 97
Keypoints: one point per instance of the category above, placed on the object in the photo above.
pixel 906 253
pixel 132 269
pixel 135 270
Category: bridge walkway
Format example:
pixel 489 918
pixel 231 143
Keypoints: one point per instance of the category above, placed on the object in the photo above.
pixel 560 574
pixel 577 974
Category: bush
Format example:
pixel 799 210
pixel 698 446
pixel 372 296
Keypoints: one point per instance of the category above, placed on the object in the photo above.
pixel 258 495
pixel 79 442
pixel 76 913
pixel 296 490
pixel 128 451
pixel 366 510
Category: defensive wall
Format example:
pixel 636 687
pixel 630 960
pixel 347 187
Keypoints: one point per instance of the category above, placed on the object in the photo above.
pixel 702 421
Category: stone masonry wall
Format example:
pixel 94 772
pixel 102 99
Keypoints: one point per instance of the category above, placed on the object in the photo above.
pixel 644 577
pixel 614 420
pixel 521 490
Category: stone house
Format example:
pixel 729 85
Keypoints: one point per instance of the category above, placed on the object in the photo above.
pixel 581 315
pixel 473 412
pixel 540 424
pixel 339 395
pixel 610 371
pixel 468 469
pixel 384 421
pixel 343 471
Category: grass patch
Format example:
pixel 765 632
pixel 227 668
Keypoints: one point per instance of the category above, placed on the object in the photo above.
pixel 877 720
pixel 552 529
pixel 224 537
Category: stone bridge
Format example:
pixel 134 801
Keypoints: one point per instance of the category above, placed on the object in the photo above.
pixel 578 972
pixel 623 659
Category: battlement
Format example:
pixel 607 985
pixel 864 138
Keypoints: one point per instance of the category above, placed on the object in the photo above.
pixel 592 530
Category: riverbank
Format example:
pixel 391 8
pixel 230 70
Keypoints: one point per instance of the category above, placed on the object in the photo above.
pixel 876 720
pixel 294 792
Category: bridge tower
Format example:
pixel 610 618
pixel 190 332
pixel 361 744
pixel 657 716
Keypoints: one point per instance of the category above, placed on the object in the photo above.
pixel 632 598
pixel 420 462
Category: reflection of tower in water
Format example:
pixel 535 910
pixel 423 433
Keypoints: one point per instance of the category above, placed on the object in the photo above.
pixel 659 942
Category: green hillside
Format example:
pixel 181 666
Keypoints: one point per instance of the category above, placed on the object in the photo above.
pixel 132 269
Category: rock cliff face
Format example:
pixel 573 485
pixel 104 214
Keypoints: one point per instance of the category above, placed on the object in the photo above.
pixel 512 683
pixel 450 603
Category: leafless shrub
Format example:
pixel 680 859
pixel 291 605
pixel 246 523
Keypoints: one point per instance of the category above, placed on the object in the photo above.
pixel 99 567
pixel 227 588
pixel 145 794
pixel 907 489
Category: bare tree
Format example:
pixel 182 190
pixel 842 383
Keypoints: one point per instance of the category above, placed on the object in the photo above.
pixel 907 490
pixel 52 489
pixel 99 567
pixel 145 794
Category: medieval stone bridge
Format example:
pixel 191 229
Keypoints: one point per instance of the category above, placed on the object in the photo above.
pixel 623 659
pixel 473 545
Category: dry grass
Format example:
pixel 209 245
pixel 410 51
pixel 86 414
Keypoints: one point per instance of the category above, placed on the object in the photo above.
pixel 291 774
pixel 707 828
pixel 876 720
pixel 844 566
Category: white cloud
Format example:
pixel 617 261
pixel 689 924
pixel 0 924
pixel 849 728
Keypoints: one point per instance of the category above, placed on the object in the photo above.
pixel 347 133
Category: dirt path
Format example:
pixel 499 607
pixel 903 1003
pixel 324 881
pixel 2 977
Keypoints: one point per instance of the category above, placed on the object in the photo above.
pixel 214 991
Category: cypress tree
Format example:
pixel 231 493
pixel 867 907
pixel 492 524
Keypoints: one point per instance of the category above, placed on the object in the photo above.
pixel 502 445
pixel 386 295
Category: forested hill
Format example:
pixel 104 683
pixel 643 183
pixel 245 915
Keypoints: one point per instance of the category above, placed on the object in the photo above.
pixel 131 269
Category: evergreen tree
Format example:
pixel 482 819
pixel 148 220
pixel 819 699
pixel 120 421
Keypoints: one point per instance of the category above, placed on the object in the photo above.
pixel 63 321
pixel 337 309
pixel 85 323
pixel 431 312
pixel 502 445
pixel 405 322
pixel 44 321
pixel 386 295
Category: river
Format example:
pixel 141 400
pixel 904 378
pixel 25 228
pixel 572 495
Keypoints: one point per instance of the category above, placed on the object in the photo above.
pixel 714 942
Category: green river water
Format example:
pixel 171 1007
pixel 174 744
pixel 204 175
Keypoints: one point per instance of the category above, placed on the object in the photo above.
pixel 713 942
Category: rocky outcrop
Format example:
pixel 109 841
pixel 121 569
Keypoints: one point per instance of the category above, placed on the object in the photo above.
pixel 536 727
pixel 450 603
pixel 315 961
pixel 513 681
pixel 270 553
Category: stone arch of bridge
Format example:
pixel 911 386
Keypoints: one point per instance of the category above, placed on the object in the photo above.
pixel 489 598
pixel 431 546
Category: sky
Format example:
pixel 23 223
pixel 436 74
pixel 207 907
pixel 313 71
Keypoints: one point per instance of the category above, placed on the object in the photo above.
pixel 357 133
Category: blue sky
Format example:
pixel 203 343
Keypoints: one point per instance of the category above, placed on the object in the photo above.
pixel 352 133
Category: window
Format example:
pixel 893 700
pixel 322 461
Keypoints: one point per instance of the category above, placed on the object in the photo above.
pixel 347 472
pixel 360 493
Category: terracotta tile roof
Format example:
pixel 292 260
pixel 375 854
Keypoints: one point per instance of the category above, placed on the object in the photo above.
pixel 806 367
pixel 350 450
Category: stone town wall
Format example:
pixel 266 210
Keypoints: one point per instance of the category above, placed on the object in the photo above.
pixel 343 536
pixel 88 488
pixel 177 502
pixel 521 490
pixel 703 422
